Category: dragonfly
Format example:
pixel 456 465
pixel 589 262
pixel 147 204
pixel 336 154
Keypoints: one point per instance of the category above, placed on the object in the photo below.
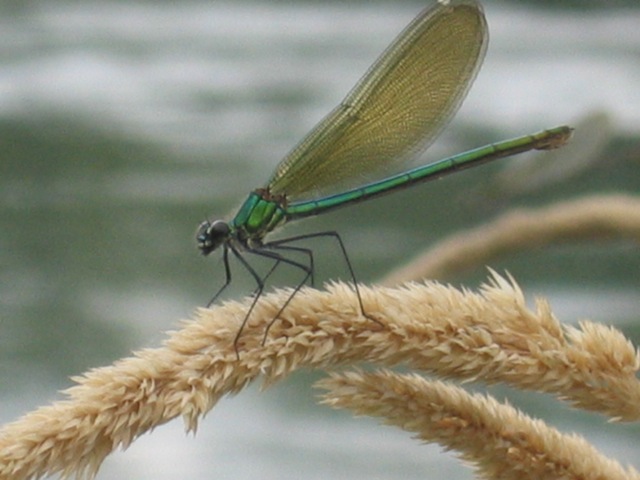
pixel 361 149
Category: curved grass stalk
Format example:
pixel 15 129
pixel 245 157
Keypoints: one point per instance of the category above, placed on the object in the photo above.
pixel 489 335
pixel 495 438
pixel 599 217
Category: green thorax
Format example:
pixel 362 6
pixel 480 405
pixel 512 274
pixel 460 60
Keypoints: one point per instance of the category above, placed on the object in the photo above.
pixel 261 213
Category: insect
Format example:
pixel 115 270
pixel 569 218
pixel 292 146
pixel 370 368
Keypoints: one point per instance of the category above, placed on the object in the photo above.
pixel 358 150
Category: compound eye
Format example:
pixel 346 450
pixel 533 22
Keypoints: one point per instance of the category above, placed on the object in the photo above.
pixel 210 236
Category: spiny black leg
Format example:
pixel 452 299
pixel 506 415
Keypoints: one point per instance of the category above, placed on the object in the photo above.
pixel 282 245
pixel 271 270
pixel 227 272
pixel 351 271
pixel 275 318
pixel 335 235
pixel 279 258
pixel 353 275
pixel 258 292
pixel 270 250
pixel 260 282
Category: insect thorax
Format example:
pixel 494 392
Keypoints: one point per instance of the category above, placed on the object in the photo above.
pixel 259 214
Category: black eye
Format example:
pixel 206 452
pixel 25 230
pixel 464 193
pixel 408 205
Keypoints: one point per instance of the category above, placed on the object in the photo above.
pixel 210 236
pixel 219 228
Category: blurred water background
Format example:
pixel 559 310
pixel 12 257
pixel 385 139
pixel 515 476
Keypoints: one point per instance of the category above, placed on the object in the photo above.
pixel 125 124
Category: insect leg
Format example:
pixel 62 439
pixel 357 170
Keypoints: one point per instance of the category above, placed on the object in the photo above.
pixel 257 293
pixel 336 236
pixel 268 252
pixel 283 245
pixel 227 272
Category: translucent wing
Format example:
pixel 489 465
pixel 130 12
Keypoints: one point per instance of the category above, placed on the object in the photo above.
pixel 396 110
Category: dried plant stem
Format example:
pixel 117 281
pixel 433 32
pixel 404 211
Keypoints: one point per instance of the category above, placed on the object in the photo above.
pixel 592 218
pixel 489 335
pixel 496 439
